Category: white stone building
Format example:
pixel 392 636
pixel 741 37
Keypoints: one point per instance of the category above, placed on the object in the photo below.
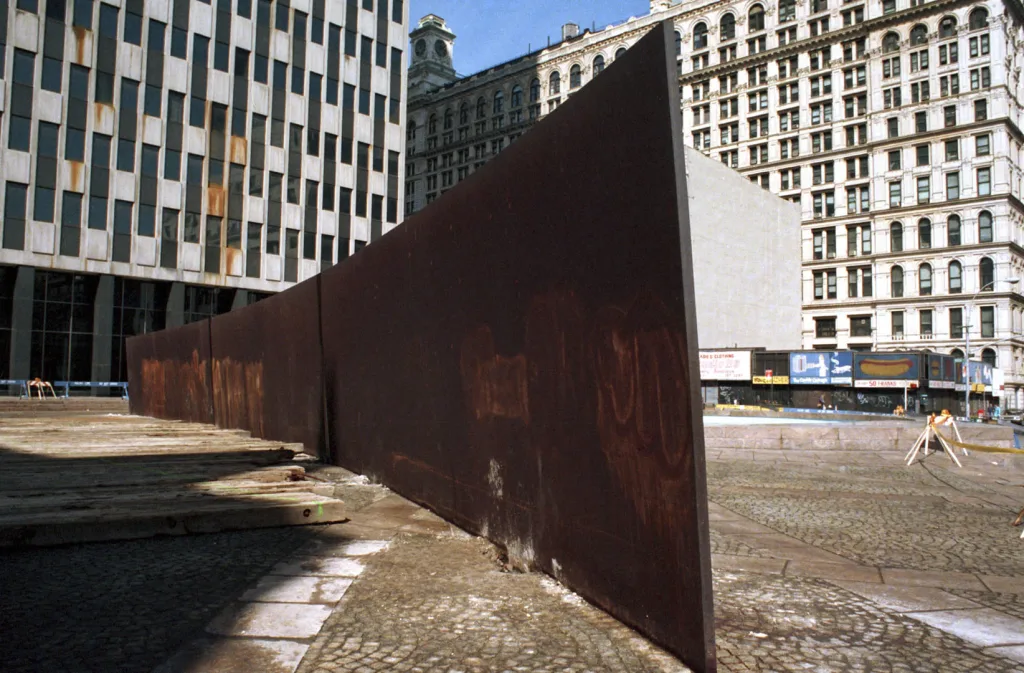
pixel 894 124
pixel 162 161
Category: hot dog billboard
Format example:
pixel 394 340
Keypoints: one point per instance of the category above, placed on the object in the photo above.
pixel 887 366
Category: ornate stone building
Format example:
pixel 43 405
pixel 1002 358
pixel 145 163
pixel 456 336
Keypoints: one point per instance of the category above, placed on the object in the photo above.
pixel 894 124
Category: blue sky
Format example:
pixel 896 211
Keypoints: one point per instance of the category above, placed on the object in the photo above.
pixel 489 32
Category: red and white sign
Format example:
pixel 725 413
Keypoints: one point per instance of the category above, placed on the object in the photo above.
pixel 884 383
pixel 725 365
pixel 768 373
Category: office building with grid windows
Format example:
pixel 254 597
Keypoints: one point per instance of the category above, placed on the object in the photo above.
pixel 162 161
pixel 894 124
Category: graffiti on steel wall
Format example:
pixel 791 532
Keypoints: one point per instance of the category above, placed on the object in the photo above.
pixel 521 359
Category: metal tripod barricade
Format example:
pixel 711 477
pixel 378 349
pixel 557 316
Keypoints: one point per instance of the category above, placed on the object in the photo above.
pixel 923 442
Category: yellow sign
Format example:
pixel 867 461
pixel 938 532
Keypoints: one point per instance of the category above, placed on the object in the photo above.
pixel 777 380
pixel 977 387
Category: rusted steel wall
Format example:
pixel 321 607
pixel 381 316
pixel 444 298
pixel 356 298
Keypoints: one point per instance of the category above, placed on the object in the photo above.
pixel 169 374
pixel 521 357
pixel 267 368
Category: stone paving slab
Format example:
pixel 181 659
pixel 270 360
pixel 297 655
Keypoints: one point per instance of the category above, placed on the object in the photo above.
pixel 1014 652
pixel 906 599
pixel 270 620
pixel 981 626
pixel 840 571
pixel 236 655
pixel 312 565
pixel 298 589
pixel 929 578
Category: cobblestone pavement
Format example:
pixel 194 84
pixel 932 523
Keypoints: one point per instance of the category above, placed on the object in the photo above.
pixel 124 606
pixel 818 566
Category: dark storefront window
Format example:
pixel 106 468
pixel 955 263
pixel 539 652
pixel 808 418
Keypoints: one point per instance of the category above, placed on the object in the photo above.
pixel 7 276
pixel 139 308
pixel 206 302
pixel 62 316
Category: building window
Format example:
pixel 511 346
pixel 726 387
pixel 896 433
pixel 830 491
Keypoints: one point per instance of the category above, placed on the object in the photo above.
pixel 896 237
pixel 860 326
pixel 554 83
pixel 986 274
pixel 988 323
pixel 924 189
pixel 895 194
pixel 947 27
pixel 923 154
pixel 924 234
pixel 984 181
pixel 984 227
pixel 980 110
pixel 897 324
pixel 953 230
pixel 895 160
pixel 988 356
pixel 926 323
pixel 949 115
pixel 896 281
pixel 982 145
pixel 575 77
pixel 956 271
pixel 952 186
pixel 825 328
pixel 787 10
pixel 924 279
pixel 956 323
pixel 755 19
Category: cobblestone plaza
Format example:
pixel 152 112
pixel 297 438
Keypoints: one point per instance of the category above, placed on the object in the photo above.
pixel 823 560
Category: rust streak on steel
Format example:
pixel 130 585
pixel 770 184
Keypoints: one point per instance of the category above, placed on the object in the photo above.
pixel 520 357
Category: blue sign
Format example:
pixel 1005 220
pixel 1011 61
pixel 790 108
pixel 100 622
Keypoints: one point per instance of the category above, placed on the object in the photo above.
pixel 809 368
pixel 981 373
pixel 840 369
pixel 821 368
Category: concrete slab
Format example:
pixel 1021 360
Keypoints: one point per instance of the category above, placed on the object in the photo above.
pixel 1003 585
pixel 753 564
pixel 833 571
pixel 783 546
pixel 236 655
pixel 1013 652
pixel 731 527
pixel 298 589
pixel 311 565
pixel 270 620
pixel 904 599
pixel 334 547
pixel 931 578
pixel 984 626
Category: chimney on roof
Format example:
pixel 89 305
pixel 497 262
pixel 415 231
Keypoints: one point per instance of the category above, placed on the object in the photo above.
pixel 570 30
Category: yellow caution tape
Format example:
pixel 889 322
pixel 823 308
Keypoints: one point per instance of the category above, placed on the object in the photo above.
pixel 976 447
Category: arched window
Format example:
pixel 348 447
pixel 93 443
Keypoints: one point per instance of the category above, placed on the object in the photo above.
pixel 985 227
pixel 957 353
pixel 554 83
pixel 727 27
pixel 896 237
pixel 598 64
pixel 432 125
pixel 499 102
pixel 700 36
pixel 755 19
pixel 534 90
pixel 924 279
pixel 464 113
pixel 410 132
pixel 979 18
pixel 956 278
pixel 918 35
pixel 947 27
pixel 575 77
pixel 449 119
pixel 890 43
pixel 481 107
pixel 924 233
pixel 988 356
pixel 517 96
pixel 619 53
pixel 679 44
pixel 953 236
pixel 896 281
pixel 986 274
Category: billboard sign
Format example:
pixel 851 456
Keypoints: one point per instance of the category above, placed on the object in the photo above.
pixel 886 366
pixel 725 365
pixel 821 368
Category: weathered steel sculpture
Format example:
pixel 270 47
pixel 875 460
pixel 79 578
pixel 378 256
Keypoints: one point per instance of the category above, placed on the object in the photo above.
pixel 519 357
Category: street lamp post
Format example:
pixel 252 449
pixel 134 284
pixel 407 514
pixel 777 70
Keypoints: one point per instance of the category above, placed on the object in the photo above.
pixel 968 314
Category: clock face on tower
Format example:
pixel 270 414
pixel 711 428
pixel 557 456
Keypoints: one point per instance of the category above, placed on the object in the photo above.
pixel 421 47
pixel 440 49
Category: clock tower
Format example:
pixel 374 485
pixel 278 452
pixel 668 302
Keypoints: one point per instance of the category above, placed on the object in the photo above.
pixel 431 66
